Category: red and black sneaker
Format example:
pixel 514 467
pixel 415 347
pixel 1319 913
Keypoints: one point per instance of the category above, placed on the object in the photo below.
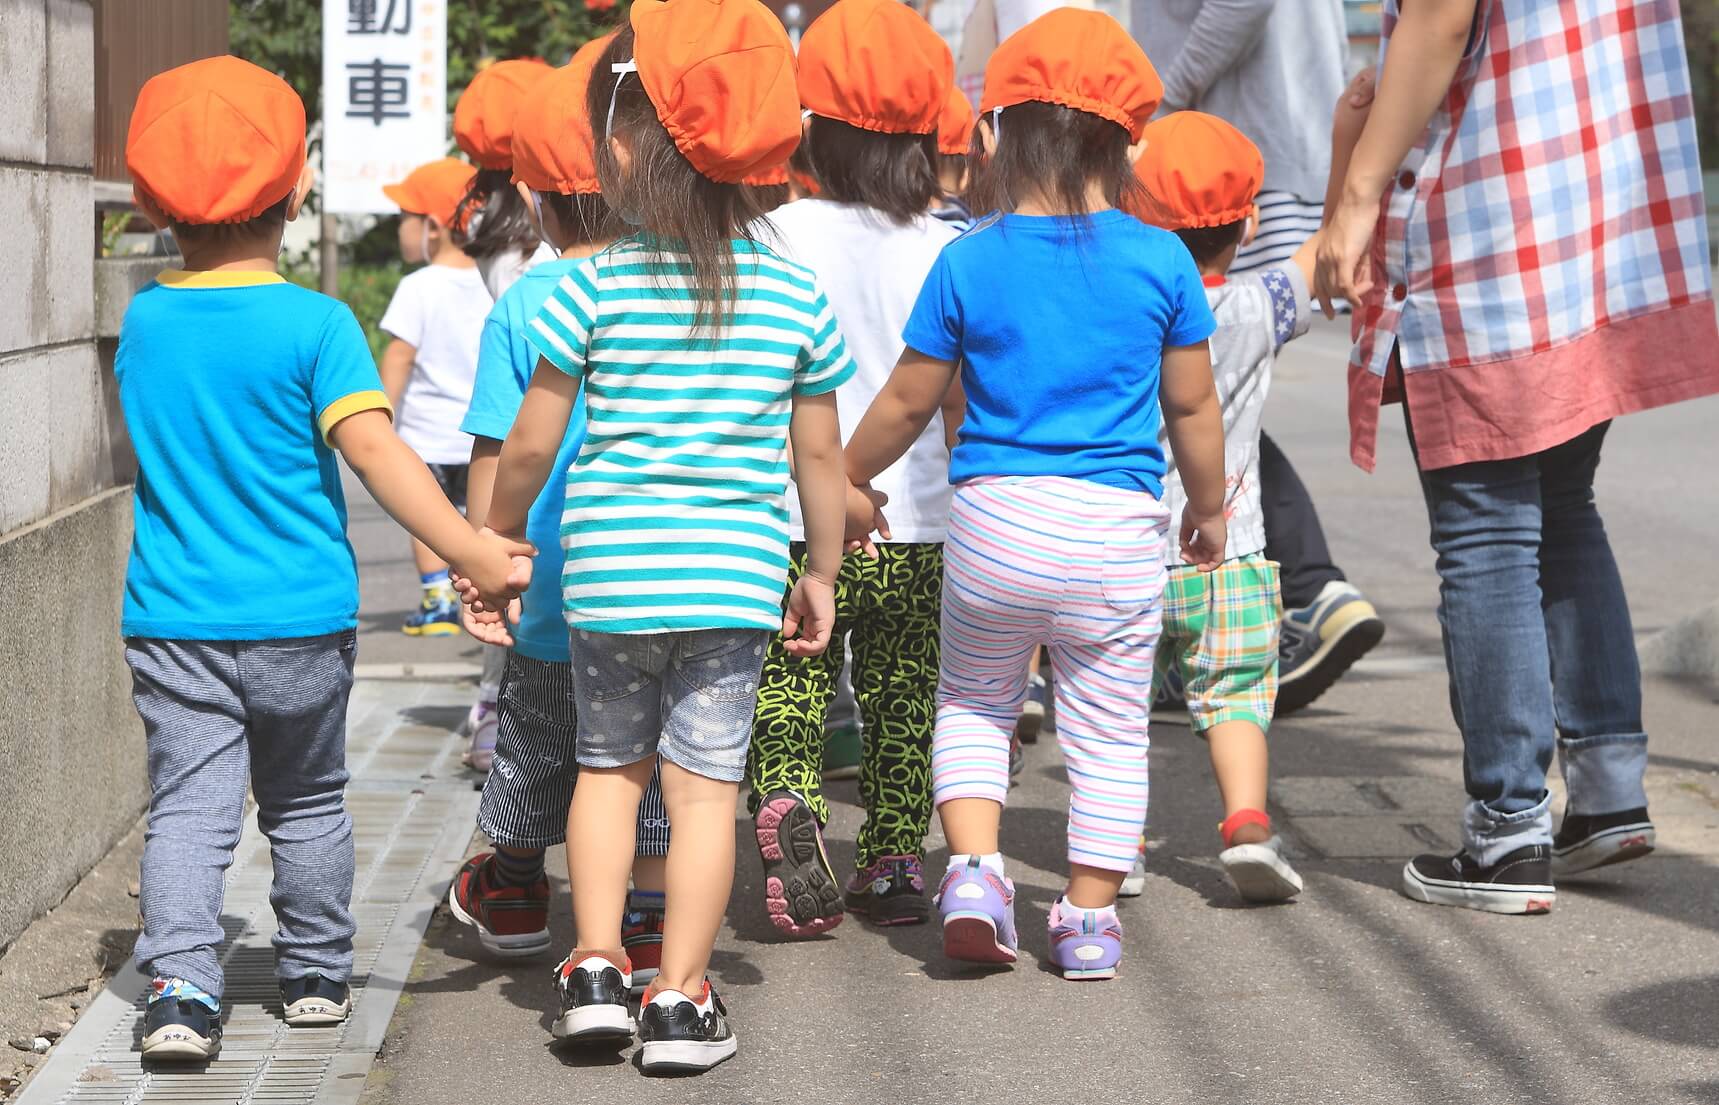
pixel 642 938
pixel 512 922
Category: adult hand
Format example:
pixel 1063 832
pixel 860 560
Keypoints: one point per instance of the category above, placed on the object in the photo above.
pixel 1342 260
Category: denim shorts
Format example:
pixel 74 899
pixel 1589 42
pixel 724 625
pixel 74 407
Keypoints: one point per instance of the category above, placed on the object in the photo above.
pixel 687 696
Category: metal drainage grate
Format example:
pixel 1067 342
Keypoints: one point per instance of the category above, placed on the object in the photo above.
pixel 412 815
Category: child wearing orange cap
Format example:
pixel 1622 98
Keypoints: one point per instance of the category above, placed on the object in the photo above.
pixel 700 352
pixel 504 893
pixel 498 232
pixel 872 77
pixel 1199 178
pixel 434 321
pixel 954 143
pixel 1071 326
pixel 238 389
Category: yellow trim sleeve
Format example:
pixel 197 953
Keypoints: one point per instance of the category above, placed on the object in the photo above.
pixel 347 406
pixel 232 278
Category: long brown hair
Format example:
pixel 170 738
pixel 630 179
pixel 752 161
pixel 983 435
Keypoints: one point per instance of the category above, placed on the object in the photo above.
pixel 1053 152
pixel 684 211
pixel 890 172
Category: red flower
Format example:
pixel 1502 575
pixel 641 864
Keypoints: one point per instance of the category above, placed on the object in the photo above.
pixel 599 5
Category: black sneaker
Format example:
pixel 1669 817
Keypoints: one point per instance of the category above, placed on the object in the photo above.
pixel 1586 841
pixel 1321 642
pixel 889 892
pixel 680 1035
pixel 180 1029
pixel 593 996
pixel 313 1001
pixel 1521 882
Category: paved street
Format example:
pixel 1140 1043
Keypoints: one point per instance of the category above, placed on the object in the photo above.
pixel 1353 994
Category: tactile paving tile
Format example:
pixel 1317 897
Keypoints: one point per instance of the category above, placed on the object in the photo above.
pixel 412 812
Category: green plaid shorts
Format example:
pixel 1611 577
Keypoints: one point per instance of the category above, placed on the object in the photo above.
pixel 1220 630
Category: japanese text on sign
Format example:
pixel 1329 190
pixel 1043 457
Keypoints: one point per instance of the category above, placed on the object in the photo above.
pixel 384 96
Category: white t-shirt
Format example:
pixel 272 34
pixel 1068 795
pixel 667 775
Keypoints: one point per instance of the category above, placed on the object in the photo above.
pixel 872 268
pixel 439 311
pixel 1257 312
pixel 502 269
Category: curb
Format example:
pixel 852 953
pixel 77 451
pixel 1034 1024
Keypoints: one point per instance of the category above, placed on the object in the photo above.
pixel 449 671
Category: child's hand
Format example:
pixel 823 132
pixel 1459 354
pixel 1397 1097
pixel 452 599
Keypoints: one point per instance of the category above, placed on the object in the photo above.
pixel 491 627
pixel 1203 540
pixel 494 573
pixel 810 617
pixel 1359 94
pixel 865 514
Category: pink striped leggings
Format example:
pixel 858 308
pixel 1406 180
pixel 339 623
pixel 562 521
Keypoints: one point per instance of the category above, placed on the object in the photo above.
pixel 1077 566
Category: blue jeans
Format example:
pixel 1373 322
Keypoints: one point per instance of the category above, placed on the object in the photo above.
pixel 1538 642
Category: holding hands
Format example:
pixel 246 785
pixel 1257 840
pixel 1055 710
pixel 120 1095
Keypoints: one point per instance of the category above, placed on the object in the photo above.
pixel 489 580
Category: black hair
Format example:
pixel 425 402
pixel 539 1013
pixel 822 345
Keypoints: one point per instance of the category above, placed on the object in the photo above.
pixel 1208 243
pixel 800 168
pixel 264 226
pixel 685 211
pixel 891 172
pixel 493 217
pixel 587 216
pixel 768 197
pixel 1052 153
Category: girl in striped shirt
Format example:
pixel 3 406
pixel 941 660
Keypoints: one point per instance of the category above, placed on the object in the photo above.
pixel 700 352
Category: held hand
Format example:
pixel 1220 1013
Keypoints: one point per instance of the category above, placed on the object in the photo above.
pixel 496 571
pixel 1359 94
pixel 810 618
pixel 1203 540
pixel 865 514
pixel 1342 265
pixel 491 628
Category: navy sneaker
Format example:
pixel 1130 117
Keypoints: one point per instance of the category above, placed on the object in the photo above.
pixel 1319 643
pixel 680 1035
pixel 314 1001
pixel 182 1023
pixel 438 614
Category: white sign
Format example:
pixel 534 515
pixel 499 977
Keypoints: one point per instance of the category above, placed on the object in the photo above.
pixel 384 97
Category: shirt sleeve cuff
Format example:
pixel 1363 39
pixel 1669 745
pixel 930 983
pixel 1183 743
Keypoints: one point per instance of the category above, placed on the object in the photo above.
pixel 347 406
pixel 492 426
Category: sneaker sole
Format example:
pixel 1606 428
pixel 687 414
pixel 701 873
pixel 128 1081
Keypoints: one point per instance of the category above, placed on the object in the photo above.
pixel 642 979
pixel 1083 974
pixel 1029 725
pixel 1351 639
pixel 800 891
pixel 901 911
pixel 594 1024
pixel 972 938
pixel 1259 874
pixel 441 629
pixel 1132 887
pixel 685 1056
pixel 1525 900
pixel 1603 849
pixel 514 946
pixel 316 1012
pixel 174 1043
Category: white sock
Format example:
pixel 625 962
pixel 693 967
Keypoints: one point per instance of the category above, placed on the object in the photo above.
pixel 990 861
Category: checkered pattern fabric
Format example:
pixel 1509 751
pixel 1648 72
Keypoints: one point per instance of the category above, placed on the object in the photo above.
pixel 1220 633
pixel 1555 195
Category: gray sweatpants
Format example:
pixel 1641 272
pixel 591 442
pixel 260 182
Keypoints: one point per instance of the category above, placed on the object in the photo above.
pixel 218 716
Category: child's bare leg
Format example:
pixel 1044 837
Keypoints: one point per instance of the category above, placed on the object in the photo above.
pixel 426 560
pixel 700 873
pixel 1092 887
pixel 972 825
pixel 650 873
pixel 1241 763
pixel 601 837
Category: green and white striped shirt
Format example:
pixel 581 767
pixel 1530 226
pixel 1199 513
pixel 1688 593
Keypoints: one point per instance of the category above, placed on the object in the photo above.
pixel 675 516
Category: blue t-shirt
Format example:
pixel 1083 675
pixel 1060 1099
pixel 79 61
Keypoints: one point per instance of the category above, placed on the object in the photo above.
pixel 230 382
pixel 1060 327
pixel 506 361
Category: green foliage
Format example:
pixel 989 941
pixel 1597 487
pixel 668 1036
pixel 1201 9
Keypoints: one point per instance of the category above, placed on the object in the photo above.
pixel 1701 34
pixel 366 288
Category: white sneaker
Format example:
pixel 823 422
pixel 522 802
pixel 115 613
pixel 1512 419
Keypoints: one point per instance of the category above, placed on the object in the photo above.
pixel 1259 872
pixel 1134 884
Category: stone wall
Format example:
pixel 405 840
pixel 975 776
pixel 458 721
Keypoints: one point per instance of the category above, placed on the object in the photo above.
pixel 73 777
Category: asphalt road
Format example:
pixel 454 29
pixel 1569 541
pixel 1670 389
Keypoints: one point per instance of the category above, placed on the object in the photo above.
pixel 1351 994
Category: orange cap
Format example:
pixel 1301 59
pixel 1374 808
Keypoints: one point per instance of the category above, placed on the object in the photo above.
pixel 216 141
pixel 1197 171
pixel 768 176
pixel 876 65
pixel 721 75
pixel 1077 58
pixel 483 117
pixel 553 150
pixel 955 123
pixel 434 189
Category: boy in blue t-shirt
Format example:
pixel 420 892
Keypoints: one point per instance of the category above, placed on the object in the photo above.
pixel 241 595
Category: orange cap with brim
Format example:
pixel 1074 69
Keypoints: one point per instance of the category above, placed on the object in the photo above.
pixel 720 74
pixel 955 124
pixel 1077 58
pixel 216 141
pixel 553 149
pixel 484 116
pixel 1197 171
pixel 768 176
pixel 434 189
pixel 876 65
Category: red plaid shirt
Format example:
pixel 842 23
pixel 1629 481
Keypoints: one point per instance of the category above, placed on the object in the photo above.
pixel 1541 259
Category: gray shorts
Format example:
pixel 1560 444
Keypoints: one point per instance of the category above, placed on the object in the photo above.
pixel 687 696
